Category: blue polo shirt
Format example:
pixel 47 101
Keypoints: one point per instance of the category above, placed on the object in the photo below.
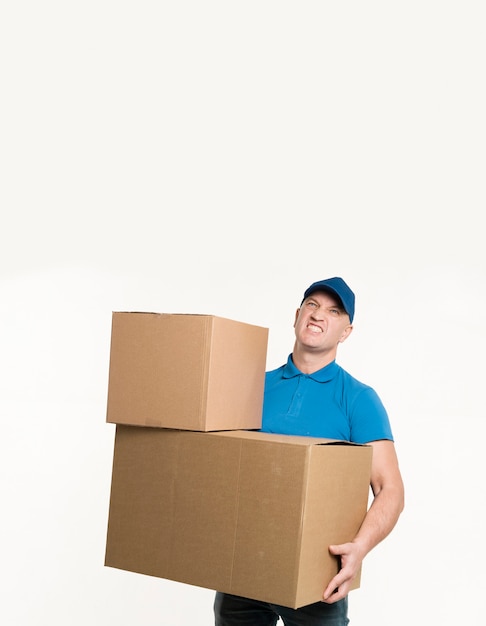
pixel 328 403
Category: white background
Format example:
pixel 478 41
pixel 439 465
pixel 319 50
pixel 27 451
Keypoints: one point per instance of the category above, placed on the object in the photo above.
pixel 218 157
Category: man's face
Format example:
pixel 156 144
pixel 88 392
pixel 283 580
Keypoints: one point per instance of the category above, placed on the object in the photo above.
pixel 321 323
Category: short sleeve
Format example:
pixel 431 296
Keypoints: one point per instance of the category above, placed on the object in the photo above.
pixel 369 418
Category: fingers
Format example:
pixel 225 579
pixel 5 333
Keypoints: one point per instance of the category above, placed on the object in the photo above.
pixel 338 550
pixel 340 585
pixel 337 588
pixel 333 594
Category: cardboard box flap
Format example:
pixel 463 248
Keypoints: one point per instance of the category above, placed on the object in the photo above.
pixel 301 440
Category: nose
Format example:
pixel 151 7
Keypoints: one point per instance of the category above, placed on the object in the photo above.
pixel 317 314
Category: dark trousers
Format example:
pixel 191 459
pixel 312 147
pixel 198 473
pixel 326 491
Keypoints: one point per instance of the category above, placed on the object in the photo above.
pixel 235 611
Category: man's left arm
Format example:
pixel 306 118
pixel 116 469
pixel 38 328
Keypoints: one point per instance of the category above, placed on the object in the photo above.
pixel 383 514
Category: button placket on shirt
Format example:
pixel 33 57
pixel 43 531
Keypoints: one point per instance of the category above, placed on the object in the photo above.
pixel 299 394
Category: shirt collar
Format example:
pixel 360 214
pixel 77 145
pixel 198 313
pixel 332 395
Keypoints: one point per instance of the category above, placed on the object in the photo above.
pixel 323 375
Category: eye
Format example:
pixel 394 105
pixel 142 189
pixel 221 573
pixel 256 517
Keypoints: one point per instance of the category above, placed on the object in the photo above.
pixel 334 311
pixel 312 304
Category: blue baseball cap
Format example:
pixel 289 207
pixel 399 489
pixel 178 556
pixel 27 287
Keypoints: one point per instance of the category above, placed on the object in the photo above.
pixel 338 287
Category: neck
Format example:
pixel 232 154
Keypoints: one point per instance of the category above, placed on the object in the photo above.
pixel 309 362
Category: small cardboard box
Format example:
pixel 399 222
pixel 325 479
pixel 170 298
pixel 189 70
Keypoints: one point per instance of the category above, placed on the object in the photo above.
pixel 247 513
pixel 190 372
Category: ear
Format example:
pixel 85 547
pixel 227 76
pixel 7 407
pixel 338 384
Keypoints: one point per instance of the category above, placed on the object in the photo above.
pixel 346 332
pixel 296 316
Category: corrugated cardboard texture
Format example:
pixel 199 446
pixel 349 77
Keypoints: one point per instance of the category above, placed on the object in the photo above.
pixel 243 512
pixel 194 372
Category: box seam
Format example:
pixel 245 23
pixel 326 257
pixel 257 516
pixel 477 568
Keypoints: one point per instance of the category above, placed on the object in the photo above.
pixel 206 368
pixel 298 551
pixel 237 506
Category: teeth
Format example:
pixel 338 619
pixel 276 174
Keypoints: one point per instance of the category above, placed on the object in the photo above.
pixel 314 329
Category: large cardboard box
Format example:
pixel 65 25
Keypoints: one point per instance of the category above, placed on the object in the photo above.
pixel 247 513
pixel 191 372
